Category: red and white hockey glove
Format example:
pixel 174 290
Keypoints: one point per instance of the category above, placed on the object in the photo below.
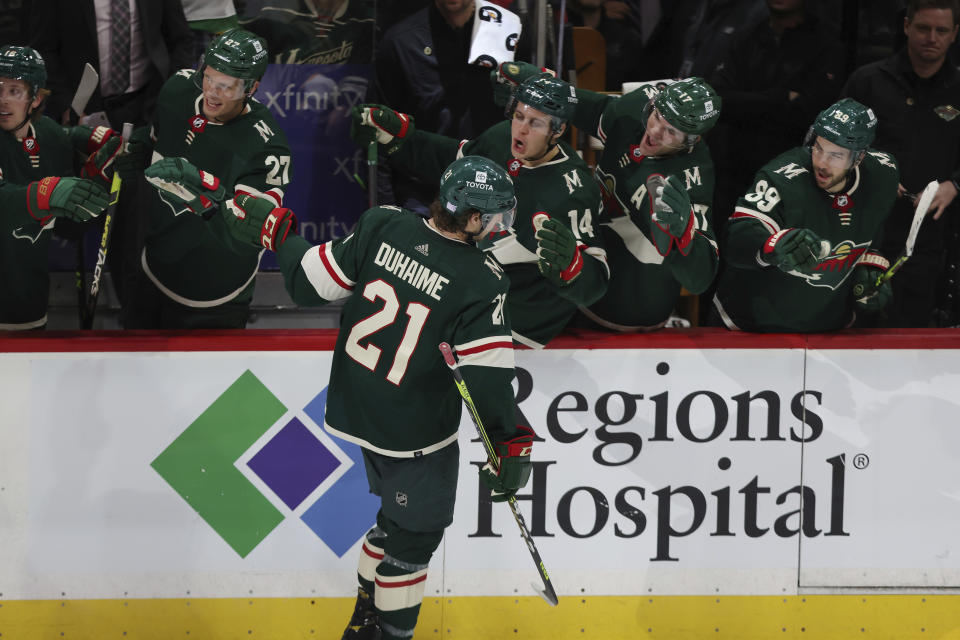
pixel 560 260
pixel 376 122
pixel 186 185
pixel 512 470
pixel 255 221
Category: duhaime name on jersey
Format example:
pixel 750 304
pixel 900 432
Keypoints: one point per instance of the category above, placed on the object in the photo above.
pixel 700 498
pixel 410 270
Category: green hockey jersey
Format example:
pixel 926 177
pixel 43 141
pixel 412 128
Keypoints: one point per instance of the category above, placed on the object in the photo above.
pixel 644 285
pixel 24 239
pixel 195 261
pixel 562 188
pixel 303 34
pixel 754 296
pixel 410 288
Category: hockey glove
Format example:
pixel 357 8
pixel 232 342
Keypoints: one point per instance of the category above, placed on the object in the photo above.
pixel 193 188
pixel 508 76
pixel 137 155
pixel 513 468
pixel 794 250
pixel 100 164
pixel 375 122
pixel 72 198
pixel 558 253
pixel 255 221
pixel 874 298
pixel 671 214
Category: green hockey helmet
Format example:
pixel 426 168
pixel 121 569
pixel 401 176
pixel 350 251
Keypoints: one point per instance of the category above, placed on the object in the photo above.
pixel 238 54
pixel 547 94
pixel 23 63
pixel 846 123
pixel 475 183
pixel 690 105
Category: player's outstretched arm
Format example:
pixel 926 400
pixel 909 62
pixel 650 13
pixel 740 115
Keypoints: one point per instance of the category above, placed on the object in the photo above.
pixel 420 153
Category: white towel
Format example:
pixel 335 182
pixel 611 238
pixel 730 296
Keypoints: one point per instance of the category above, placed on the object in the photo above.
pixel 495 35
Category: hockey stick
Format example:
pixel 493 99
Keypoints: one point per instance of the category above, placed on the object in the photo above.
pixel 88 83
pixel 923 206
pixel 91 304
pixel 547 593
pixel 372 173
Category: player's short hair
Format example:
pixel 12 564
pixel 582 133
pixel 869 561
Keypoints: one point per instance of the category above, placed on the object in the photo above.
pixel 918 5
pixel 446 221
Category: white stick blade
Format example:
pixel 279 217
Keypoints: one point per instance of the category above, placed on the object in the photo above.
pixel 923 205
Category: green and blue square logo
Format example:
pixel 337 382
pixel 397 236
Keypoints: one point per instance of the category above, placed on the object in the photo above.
pixel 202 466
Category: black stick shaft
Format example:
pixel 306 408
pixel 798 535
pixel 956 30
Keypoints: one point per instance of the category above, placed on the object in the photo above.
pixel 548 593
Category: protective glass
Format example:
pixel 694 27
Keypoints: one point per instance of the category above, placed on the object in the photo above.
pixel 497 222
pixel 828 154
pixel 523 115
pixel 14 90
pixel 220 86
pixel 670 136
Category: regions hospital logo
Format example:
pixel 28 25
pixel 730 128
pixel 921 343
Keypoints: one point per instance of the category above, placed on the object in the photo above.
pixel 237 453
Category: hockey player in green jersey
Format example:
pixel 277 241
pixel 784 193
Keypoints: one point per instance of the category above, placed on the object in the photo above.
pixel 207 127
pixel 554 268
pixel 410 284
pixel 804 235
pixel 36 160
pixel 649 133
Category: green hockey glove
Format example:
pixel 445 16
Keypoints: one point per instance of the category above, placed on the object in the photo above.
pixel 558 252
pixel 794 250
pixel 513 469
pixel 76 199
pixel 671 214
pixel 376 122
pixel 137 155
pixel 255 221
pixel 195 189
pixel 509 75
pixel 874 298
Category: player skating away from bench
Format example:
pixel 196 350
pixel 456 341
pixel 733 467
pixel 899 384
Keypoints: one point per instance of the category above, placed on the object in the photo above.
pixel 207 131
pixel 36 160
pixel 804 235
pixel 552 270
pixel 649 132
pixel 410 284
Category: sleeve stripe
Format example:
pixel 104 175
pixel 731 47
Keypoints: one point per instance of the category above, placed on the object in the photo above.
pixel 276 194
pixel 771 224
pixel 327 278
pixel 494 351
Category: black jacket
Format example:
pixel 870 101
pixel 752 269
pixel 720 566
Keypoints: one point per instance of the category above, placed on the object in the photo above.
pixel 919 123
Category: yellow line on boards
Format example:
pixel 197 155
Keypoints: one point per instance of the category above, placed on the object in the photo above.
pixel 814 617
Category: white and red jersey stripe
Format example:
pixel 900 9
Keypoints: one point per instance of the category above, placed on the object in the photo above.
pixel 328 279
pixel 769 223
pixel 492 351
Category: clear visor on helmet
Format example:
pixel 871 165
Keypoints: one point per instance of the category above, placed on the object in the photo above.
pixel 217 85
pixel 537 120
pixel 829 154
pixel 497 222
pixel 663 133
pixel 14 90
